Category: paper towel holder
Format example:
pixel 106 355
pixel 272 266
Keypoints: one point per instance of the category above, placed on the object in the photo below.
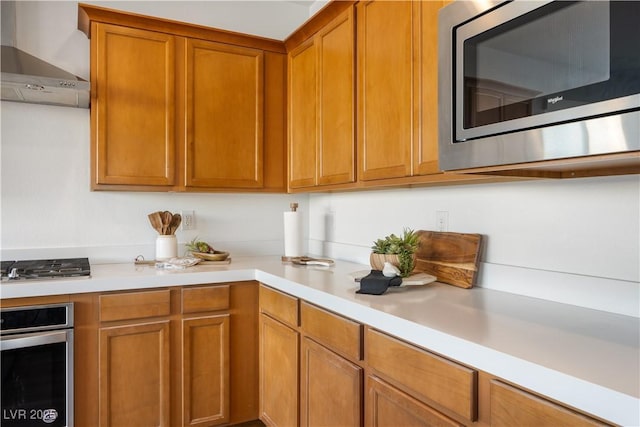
pixel 294 208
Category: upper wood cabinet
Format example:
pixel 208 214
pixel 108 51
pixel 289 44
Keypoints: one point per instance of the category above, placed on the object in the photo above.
pixel 425 148
pixel 385 80
pixel 321 106
pixel 176 107
pixel 386 124
pixel 133 107
pixel 224 107
pixel 397 88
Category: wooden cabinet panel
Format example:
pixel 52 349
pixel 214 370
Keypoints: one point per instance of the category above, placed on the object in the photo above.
pixel 336 104
pixel 224 103
pixel 205 298
pixel 134 375
pixel 303 114
pixel 330 388
pixel 513 407
pixel 205 370
pixel 427 376
pixel 133 101
pixel 279 305
pixel 279 347
pixel 172 110
pixel 243 347
pixel 426 149
pixel 321 106
pixel 134 305
pixel 275 122
pixel 336 332
pixel 385 89
pixel 387 406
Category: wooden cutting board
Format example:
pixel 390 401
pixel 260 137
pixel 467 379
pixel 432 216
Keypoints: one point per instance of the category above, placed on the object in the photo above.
pixel 452 257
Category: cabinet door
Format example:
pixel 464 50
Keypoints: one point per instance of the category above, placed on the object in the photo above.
pixel 387 406
pixel 205 370
pixel 321 107
pixel 134 375
pixel 513 407
pixel 133 107
pixel 303 116
pixel 330 388
pixel 385 89
pixel 224 107
pixel 336 143
pixel 279 348
pixel 426 150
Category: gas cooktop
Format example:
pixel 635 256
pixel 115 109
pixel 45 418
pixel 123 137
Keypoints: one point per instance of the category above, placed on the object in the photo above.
pixel 45 269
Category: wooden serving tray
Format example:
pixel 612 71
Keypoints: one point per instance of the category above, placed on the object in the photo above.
pixel 452 257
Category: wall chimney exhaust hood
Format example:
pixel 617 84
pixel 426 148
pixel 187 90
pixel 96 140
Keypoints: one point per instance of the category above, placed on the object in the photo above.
pixel 26 78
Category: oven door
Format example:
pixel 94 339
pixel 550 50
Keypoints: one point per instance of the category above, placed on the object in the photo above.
pixel 532 64
pixel 37 379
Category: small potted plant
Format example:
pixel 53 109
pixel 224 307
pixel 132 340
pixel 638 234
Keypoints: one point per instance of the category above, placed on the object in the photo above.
pixel 397 250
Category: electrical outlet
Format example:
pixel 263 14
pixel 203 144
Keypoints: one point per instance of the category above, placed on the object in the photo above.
pixel 442 220
pixel 188 220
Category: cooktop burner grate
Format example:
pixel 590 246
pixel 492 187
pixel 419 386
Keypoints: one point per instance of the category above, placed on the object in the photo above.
pixel 46 269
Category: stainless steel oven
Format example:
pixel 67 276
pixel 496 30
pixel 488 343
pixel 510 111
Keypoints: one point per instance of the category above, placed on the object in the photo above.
pixel 36 344
pixel 524 81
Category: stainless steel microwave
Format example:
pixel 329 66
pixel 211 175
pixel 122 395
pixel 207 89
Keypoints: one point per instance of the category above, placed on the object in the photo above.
pixel 527 81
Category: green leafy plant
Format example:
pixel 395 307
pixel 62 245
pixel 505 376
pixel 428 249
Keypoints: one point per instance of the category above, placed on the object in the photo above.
pixel 404 246
pixel 199 246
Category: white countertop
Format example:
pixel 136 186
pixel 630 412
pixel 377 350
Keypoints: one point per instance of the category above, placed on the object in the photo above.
pixel 585 358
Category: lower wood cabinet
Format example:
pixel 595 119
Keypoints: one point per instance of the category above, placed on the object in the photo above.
pixel 134 361
pixel 279 349
pixel 167 357
pixel 330 388
pixel 279 358
pixel 205 370
pixel 511 406
pixel 134 366
pixel 226 354
pixel 386 406
pixel 441 383
pixel 309 371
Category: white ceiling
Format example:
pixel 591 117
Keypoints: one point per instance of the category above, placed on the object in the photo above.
pixel 275 19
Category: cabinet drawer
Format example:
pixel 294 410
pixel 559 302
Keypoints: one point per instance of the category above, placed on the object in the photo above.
pixel 336 332
pixel 280 306
pixel 205 298
pixel 387 406
pixel 514 407
pixel 134 305
pixel 425 375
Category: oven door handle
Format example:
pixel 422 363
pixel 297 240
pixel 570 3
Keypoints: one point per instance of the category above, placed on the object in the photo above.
pixel 33 339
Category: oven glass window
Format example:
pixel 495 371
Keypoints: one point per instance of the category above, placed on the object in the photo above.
pixel 559 56
pixel 34 388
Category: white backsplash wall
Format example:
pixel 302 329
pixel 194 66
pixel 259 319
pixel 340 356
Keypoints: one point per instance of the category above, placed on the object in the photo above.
pixel 584 226
pixel 579 239
pixel 46 205
pixel 46 202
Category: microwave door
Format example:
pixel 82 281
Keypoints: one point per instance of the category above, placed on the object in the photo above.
pixel 531 64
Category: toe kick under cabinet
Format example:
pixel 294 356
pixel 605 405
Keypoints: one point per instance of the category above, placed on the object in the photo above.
pixel 183 356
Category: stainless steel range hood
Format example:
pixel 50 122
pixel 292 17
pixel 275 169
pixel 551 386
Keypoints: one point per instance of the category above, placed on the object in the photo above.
pixel 26 78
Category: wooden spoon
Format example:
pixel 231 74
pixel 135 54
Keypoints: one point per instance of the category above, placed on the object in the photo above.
pixel 176 219
pixel 166 220
pixel 156 221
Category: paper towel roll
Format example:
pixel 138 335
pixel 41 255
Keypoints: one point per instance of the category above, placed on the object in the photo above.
pixel 293 234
